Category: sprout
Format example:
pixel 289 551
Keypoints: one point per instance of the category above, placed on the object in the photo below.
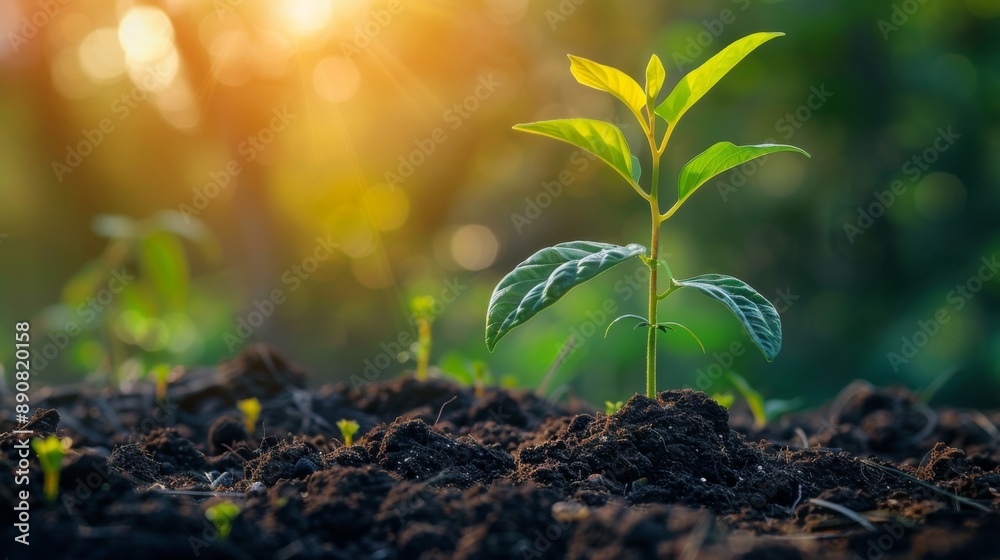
pixel 251 412
pixel 50 452
pixel 422 309
pixel 347 429
pixel 222 516
pixel 612 407
pixel 479 378
pixel 162 374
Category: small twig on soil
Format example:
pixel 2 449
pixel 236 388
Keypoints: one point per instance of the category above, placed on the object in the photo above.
pixel 802 436
pixel 846 512
pixel 694 542
pixel 441 410
pixel 563 353
pixel 797 500
pixel 927 485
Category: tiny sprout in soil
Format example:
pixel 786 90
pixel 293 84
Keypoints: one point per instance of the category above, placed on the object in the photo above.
pixel 347 429
pixel 251 412
pixel 221 516
pixel 50 452
pixel 422 308
pixel 549 274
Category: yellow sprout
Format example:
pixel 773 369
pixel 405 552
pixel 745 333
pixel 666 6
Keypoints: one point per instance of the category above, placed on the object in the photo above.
pixel 251 412
pixel 347 429
pixel 50 452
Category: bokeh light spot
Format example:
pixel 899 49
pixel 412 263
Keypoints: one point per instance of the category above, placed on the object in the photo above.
pixel 474 247
pixel 146 33
pixel 336 79
pixel 390 207
pixel 305 18
pixel 101 55
pixel 940 196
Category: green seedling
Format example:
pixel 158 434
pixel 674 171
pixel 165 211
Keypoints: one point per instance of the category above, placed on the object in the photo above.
pixel 763 411
pixel 549 274
pixel 725 400
pixel 250 408
pixel 222 515
pixel 347 430
pixel 479 376
pixel 612 407
pixel 50 452
pixel 162 375
pixel 422 309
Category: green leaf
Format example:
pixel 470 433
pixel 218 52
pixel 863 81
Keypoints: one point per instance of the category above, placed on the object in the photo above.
pixel 544 278
pixel 655 76
pixel 610 80
pixel 162 259
pixel 602 139
pixel 641 322
pixel 636 169
pixel 753 310
pixel 696 84
pixel 754 399
pixel 722 157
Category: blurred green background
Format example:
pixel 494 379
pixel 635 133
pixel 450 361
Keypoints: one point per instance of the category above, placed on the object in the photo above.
pixel 180 179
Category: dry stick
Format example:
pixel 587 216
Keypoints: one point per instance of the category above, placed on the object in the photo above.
pixel 802 435
pixel 563 353
pixel 438 419
pixel 927 485
pixel 848 513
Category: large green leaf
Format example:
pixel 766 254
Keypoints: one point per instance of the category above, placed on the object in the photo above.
pixel 610 80
pixel 722 157
pixel 602 139
pixel 164 264
pixel 544 278
pixel 753 310
pixel 693 86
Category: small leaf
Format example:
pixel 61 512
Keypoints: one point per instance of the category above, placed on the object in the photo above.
pixel 610 80
pixel 753 310
pixel 602 139
pixel 655 76
pixel 719 158
pixel 164 264
pixel 670 324
pixel 636 169
pixel 696 84
pixel 544 278
pixel 754 399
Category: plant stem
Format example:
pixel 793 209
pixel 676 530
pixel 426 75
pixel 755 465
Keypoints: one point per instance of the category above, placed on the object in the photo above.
pixel 654 249
pixel 51 486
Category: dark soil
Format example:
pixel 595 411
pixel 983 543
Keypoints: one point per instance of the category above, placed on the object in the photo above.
pixel 436 472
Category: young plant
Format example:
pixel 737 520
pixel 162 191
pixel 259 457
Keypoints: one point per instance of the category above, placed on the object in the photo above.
pixel 549 274
pixel 422 309
pixel 763 411
pixel 250 408
pixel 612 407
pixel 347 430
pixel 479 376
pixel 222 515
pixel 162 375
pixel 50 453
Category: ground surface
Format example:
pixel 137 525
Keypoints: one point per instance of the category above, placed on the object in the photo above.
pixel 439 473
